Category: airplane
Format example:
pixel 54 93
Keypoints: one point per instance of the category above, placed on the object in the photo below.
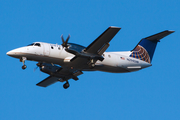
pixel 69 60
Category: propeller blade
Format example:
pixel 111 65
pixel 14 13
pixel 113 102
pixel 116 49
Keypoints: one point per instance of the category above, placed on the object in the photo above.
pixel 38 65
pixel 62 38
pixel 64 43
pixel 67 39
pixel 35 68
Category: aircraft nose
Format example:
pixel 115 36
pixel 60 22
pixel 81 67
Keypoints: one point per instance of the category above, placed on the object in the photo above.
pixel 8 53
pixel 14 53
pixel 18 52
pixel 11 53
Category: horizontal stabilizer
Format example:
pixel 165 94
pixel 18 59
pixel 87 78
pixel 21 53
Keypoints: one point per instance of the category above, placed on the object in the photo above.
pixel 48 81
pixel 160 35
pixel 145 49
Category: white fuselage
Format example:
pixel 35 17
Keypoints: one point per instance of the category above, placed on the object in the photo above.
pixel 116 62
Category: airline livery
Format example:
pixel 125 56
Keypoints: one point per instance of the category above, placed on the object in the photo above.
pixel 69 60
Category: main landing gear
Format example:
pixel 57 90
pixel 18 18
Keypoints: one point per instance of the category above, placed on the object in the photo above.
pixel 66 85
pixel 23 61
pixel 91 64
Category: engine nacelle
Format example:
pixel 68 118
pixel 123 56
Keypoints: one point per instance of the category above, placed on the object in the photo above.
pixel 49 68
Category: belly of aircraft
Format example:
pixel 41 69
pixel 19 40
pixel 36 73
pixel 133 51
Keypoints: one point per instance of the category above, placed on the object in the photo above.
pixel 111 69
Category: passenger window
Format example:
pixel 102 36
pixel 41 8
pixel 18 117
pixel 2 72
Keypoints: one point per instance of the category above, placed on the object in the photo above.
pixel 59 48
pixel 109 56
pixel 38 44
pixel 52 47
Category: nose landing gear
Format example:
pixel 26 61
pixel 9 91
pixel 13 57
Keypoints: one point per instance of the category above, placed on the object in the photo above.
pixel 24 67
pixel 23 61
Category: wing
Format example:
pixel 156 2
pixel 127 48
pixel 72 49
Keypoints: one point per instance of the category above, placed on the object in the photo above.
pixel 60 74
pixel 88 56
pixel 48 81
pixel 102 42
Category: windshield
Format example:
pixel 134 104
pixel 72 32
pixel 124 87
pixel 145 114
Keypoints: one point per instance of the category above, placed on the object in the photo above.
pixel 38 44
pixel 35 44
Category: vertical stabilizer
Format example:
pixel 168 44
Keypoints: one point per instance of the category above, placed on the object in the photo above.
pixel 146 47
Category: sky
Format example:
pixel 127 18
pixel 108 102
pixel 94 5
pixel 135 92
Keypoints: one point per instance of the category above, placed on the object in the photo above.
pixel 151 93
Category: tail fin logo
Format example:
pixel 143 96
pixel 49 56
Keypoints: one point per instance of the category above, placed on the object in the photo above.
pixel 140 53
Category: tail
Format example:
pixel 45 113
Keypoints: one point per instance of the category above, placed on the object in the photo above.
pixel 146 47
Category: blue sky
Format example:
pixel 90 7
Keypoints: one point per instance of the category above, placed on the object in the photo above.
pixel 152 93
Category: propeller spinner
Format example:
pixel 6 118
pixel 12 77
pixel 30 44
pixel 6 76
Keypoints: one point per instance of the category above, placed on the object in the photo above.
pixel 64 43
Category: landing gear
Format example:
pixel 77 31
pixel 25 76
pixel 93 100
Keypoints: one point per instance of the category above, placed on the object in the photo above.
pixel 24 67
pixel 91 64
pixel 23 61
pixel 66 85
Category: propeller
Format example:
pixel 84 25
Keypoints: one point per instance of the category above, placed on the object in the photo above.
pixel 64 43
pixel 35 68
pixel 38 65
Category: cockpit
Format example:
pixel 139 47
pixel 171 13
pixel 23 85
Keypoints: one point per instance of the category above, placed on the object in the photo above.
pixel 35 44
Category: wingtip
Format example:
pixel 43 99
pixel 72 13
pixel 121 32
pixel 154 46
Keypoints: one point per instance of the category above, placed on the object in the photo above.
pixel 114 27
pixel 171 31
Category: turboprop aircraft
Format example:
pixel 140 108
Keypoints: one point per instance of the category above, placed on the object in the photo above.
pixel 69 60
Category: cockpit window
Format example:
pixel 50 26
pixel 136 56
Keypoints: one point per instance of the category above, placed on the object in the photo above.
pixel 37 44
pixel 31 44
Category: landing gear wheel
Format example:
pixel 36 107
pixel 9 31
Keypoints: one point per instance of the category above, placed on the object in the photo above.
pixel 66 85
pixel 24 67
pixel 91 65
